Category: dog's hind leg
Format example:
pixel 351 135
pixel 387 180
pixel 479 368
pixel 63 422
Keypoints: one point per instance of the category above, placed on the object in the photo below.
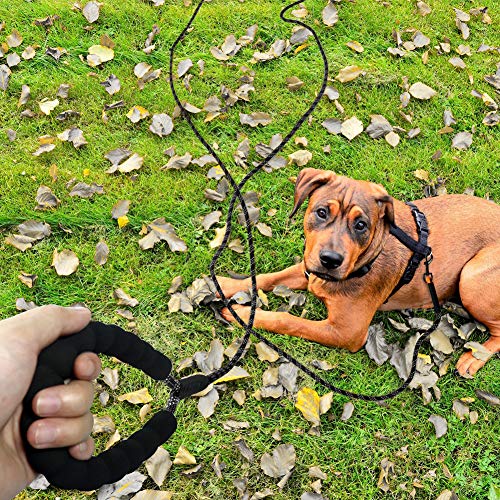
pixel 480 294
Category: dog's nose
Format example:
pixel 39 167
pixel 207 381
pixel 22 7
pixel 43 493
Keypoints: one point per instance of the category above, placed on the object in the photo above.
pixel 330 260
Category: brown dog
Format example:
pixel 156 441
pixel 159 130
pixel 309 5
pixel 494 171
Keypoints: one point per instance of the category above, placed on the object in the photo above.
pixel 347 226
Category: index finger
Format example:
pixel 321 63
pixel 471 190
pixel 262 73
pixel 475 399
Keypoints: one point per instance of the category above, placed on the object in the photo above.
pixel 43 325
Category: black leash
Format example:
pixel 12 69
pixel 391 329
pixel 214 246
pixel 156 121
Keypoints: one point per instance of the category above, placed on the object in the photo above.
pixel 419 248
pixel 55 363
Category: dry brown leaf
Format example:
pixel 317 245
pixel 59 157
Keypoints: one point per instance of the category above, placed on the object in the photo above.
pixel 47 106
pixel 111 84
pixel 348 74
pixel 329 14
pixel 356 46
pixel 160 230
pixel 386 470
pixel 114 438
pixel 255 119
pixel 184 457
pixel 421 91
pixel 440 425
pixel 133 163
pixel 99 54
pixel 137 113
pixel 65 262
pixel 123 299
pixel 103 424
pixel 351 128
pixel 101 253
pixel 392 138
pixel 28 279
pixel 207 403
pixel 20 241
pixel 300 158
pixel 161 125
pixel 280 463
pixel 91 11
pixel 183 67
pixel 110 377
pixel 137 397
pixel 462 141
pixel 158 465
pixel 347 411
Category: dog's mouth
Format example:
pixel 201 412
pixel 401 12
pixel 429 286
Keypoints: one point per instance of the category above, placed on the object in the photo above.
pixel 325 276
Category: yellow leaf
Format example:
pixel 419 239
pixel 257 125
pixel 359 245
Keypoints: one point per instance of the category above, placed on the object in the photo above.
pixel 141 396
pixel 427 359
pixel 234 374
pixel 308 404
pixel 300 48
pixel 122 221
pixel 103 53
pixel 86 172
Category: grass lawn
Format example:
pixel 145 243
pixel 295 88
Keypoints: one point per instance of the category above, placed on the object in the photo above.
pixel 466 459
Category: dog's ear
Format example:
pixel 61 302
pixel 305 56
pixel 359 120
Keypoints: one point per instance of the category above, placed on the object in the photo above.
pixel 385 202
pixel 307 181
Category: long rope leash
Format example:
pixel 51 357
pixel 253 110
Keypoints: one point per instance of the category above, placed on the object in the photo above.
pixel 237 195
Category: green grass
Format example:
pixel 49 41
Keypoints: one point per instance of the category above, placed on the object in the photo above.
pixel 349 452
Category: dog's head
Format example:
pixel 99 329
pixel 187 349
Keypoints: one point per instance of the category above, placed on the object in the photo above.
pixel 344 222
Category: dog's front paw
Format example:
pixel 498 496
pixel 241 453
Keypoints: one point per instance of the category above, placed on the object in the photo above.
pixel 232 286
pixel 468 365
pixel 242 311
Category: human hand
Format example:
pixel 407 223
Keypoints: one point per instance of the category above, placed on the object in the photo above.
pixel 65 409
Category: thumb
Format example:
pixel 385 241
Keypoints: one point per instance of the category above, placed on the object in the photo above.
pixel 41 326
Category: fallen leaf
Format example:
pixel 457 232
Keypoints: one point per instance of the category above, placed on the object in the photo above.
pixel 300 158
pixel 184 457
pixel 386 470
pixel 101 253
pixel 293 83
pixel 5 73
pixel 22 305
pixel 111 84
pixel 160 230
pixel 178 162
pixel 212 360
pixel 351 128
pixel 379 127
pixel 103 424
pixel 329 14
pixel 47 106
pixel 356 46
pixel 392 139
pixel 479 351
pixel 235 373
pixel 211 219
pixel 255 119
pixel 123 221
pixel 266 353
pixel 183 67
pixel 35 229
pixel 460 409
pixel 83 190
pixel 421 91
pixel 488 397
pixel 440 425
pixel 46 198
pixel 158 465
pixel 28 279
pixel 348 74
pixel 131 483
pixel 39 483
pixel 161 125
pixel 99 54
pixel 207 403
pixel 280 463
pixel 65 263
pixel 123 299
pixel 110 377
pixel 120 208
pixel 423 8
pixel 347 411
pixel 333 125
pixel 457 62
pixel 91 11
pixel 308 404
pixel 462 141
pixel 137 113
pixel 137 397
pixel 245 451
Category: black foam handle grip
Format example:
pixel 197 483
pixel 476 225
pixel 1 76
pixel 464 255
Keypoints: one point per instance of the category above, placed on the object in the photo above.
pixel 55 364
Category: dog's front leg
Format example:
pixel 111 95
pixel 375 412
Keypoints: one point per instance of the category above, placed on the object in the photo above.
pixel 347 330
pixel 292 277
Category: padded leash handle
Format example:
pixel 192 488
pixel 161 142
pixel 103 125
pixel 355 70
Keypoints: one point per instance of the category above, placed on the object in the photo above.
pixel 55 364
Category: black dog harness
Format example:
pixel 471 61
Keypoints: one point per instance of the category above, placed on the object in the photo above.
pixel 55 363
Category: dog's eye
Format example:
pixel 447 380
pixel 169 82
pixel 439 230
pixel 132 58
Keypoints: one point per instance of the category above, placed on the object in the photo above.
pixel 321 213
pixel 360 225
